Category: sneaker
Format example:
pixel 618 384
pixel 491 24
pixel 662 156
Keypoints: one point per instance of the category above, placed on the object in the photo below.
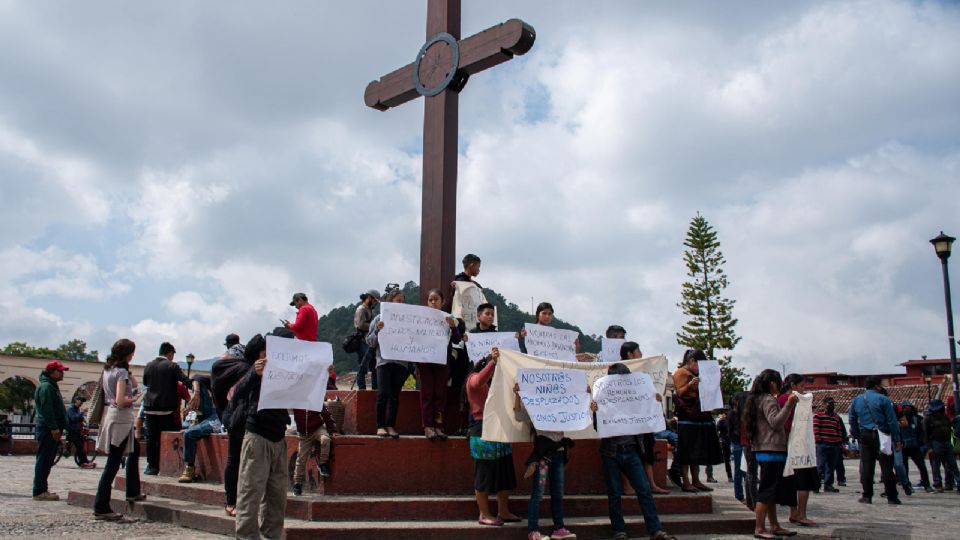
pixel 919 485
pixel 865 500
pixel 842 484
pixel 151 472
pixel 46 496
pixel 928 489
pixel 534 535
pixel 711 480
pixel 562 534
pixel 108 516
pixel 894 501
pixel 621 536
pixel 908 490
pixel 830 489
pixel 325 470
pixel 88 465
pixel 136 498
pixel 189 472
pixel 298 489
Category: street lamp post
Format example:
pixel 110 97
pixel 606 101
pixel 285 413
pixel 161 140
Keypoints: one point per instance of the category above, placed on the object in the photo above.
pixel 942 245
pixel 190 359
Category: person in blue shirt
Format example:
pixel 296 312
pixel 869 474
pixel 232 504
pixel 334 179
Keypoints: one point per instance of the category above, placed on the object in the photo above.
pixel 872 415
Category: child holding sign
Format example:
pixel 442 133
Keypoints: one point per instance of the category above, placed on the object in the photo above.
pixel 628 351
pixel 620 456
pixel 433 378
pixel 544 317
pixel 545 462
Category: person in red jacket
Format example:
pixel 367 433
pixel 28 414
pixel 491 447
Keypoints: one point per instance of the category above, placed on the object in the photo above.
pixel 305 327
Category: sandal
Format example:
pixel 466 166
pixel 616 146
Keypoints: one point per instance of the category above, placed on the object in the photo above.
pixel 230 510
pixel 511 519
pixel 109 516
pixel 783 532
pixel 382 433
pixel 765 536
pixel 803 522
pixel 702 487
pixel 494 522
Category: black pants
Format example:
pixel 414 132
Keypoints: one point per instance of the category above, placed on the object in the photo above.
pixel 869 455
pixel 156 424
pixel 391 378
pixel 232 469
pixel 46 453
pixel 101 504
pixel 914 454
pixel 79 446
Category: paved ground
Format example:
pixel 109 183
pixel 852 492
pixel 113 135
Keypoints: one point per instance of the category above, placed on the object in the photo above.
pixel 22 517
pixel 921 516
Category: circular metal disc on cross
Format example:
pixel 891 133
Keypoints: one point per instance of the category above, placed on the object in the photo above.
pixel 436 64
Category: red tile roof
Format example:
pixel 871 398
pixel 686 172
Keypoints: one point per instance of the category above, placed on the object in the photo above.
pixel 914 393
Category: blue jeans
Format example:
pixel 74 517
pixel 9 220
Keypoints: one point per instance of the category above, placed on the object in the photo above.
pixel 900 469
pixel 828 458
pixel 195 433
pixel 627 461
pixel 550 468
pixel 943 455
pixel 46 453
pixel 739 475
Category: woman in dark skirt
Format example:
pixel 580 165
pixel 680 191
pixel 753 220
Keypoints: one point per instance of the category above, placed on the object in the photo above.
pixel 763 426
pixel 697 440
pixel 803 480
pixel 493 461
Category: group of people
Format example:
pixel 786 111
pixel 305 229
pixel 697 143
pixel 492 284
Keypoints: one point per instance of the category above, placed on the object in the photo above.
pixel 756 427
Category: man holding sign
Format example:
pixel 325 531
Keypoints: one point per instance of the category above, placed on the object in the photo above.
pixel 623 404
pixel 553 400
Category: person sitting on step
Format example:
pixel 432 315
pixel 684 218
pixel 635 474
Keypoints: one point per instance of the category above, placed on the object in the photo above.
pixel 313 429
pixel 207 423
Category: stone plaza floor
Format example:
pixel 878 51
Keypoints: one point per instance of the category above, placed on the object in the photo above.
pixel 921 516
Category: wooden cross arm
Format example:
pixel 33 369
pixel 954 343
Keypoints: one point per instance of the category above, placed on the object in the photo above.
pixel 478 52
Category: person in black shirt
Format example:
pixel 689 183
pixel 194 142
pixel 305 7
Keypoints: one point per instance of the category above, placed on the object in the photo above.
pixel 162 401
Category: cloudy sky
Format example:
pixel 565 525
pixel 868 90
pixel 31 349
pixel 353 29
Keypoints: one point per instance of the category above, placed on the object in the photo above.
pixel 175 171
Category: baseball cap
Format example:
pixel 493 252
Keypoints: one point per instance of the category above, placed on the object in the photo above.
pixel 56 366
pixel 298 296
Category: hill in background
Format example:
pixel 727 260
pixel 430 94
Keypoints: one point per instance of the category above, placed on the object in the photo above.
pixel 338 323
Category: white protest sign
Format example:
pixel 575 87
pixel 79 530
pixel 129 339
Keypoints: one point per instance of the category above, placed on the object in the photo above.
pixel 801 449
pixel 479 344
pixel 467 296
pixel 710 396
pixel 499 420
pixel 627 405
pixel 413 333
pixel 610 349
pixel 555 399
pixel 296 374
pixel 551 343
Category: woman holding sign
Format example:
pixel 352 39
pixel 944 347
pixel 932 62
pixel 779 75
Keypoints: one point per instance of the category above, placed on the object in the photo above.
pixel 493 461
pixel 433 377
pixel 391 374
pixel 697 440
pixel 804 480
pixel 543 317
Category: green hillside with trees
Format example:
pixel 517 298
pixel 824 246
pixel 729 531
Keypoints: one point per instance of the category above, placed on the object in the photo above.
pixel 338 323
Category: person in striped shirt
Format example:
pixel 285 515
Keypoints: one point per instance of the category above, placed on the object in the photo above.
pixel 828 432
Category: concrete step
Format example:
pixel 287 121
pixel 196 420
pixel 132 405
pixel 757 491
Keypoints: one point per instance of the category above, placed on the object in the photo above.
pixel 416 508
pixel 370 465
pixel 212 519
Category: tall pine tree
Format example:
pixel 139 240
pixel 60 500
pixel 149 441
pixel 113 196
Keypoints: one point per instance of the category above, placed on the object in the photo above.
pixel 711 325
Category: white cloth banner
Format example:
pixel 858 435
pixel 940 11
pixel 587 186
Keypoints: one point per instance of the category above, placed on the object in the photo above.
pixel 801 449
pixel 550 343
pixel 479 344
pixel 710 396
pixel 466 297
pixel 610 349
pixel 413 333
pixel 499 421
pixel 555 399
pixel 296 374
pixel 627 405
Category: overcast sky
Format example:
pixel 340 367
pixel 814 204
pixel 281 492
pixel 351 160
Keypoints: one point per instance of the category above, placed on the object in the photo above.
pixel 175 171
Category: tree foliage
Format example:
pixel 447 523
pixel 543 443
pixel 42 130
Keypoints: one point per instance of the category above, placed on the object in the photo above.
pixel 338 323
pixel 16 395
pixel 711 324
pixel 75 350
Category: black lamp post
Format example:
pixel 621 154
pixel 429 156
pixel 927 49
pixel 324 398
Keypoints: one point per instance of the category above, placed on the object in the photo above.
pixel 942 245
pixel 190 359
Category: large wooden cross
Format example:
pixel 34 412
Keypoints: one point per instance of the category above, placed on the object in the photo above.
pixel 440 71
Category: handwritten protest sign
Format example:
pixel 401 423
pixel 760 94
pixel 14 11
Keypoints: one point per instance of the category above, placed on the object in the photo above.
pixel 801 449
pixel 555 399
pixel 413 333
pixel 710 396
pixel 296 373
pixel 610 349
pixel 466 297
pixel 552 343
pixel 499 421
pixel 479 344
pixel 627 405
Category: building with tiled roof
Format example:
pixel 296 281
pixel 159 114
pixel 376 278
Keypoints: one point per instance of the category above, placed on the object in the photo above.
pixel 918 394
